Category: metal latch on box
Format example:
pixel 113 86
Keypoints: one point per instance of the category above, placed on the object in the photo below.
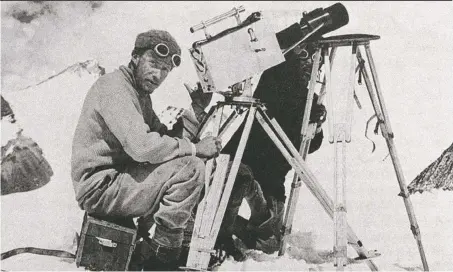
pixel 106 242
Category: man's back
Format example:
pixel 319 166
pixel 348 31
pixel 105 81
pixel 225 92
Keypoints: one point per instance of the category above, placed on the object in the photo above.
pixel 94 145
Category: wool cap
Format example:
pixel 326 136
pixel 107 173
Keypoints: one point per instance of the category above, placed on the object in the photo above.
pixel 151 38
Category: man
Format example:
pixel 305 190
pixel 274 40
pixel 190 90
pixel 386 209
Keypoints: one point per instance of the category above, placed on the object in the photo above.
pixel 125 163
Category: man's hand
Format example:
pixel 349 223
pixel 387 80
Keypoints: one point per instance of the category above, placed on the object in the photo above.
pixel 208 147
pixel 318 114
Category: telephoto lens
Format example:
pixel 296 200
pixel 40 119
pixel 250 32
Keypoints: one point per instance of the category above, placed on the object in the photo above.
pixel 332 18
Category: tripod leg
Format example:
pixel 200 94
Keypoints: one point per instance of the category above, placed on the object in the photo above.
pixel 212 115
pixel 311 91
pixel 331 117
pixel 227 124
pixel 308 132
pixel 210 164
pixel 234 170
pixel 342 135
pixel 350 96
pixel 289 214
pixel 224 133
pixel 198 249
pixel 323 87
pixel 203 243
pixel 339 215
pixel 388 135
pixel 206 118
pixel 295 185
pixel 372 95
pixel 290 153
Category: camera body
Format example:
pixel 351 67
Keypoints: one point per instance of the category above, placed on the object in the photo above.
pixel 236 54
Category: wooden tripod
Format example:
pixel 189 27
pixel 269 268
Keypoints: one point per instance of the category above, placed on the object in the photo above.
pixel 340 133
pixel 212 208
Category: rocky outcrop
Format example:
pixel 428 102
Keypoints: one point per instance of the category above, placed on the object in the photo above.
pixel 24 167
pixel 6 109
pixel 438 175
pixel 23 164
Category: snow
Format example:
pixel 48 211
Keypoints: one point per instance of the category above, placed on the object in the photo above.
pixel 413 59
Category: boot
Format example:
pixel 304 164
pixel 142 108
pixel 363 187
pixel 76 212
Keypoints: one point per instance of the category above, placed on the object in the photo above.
pixel 261 214
pixel 150 256
pixel 271 244
pixel 227 245
pixel 182 261
pixel 137 259
pixel 262 232
pixel 243 185
pixel 161 258
pixel 156 264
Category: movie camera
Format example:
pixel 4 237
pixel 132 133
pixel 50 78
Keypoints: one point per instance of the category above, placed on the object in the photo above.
pixel 235 54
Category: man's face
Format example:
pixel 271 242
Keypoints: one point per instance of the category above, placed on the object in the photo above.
pixel 151 71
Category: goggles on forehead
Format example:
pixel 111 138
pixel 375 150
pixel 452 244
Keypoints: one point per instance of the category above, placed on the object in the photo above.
pixel 163 51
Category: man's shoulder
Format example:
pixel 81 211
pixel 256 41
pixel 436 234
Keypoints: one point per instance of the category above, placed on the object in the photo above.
pixel 113 77
pixel 111 82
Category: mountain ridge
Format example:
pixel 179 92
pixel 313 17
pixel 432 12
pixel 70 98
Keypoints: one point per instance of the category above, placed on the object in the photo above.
pixel 438 175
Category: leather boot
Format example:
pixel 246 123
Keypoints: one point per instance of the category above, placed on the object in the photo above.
pixel 160 258
pixel 264 232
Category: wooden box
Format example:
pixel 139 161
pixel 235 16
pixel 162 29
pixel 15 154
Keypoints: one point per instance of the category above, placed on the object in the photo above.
pixel 106 245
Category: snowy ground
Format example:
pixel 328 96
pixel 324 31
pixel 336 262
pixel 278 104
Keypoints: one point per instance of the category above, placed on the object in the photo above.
pixel 415 77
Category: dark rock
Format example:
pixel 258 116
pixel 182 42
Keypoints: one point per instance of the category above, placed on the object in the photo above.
pixel 7 111
pixel 24 167
pixel 438 175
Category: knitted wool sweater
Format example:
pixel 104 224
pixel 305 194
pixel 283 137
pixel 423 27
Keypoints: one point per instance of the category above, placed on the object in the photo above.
pixel 117 127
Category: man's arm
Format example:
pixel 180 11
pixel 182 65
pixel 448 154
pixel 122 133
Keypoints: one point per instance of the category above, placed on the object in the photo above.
pixel 126 123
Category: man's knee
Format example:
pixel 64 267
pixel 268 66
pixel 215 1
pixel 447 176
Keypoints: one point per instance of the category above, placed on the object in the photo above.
pixel 195 167
pixel 195 163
